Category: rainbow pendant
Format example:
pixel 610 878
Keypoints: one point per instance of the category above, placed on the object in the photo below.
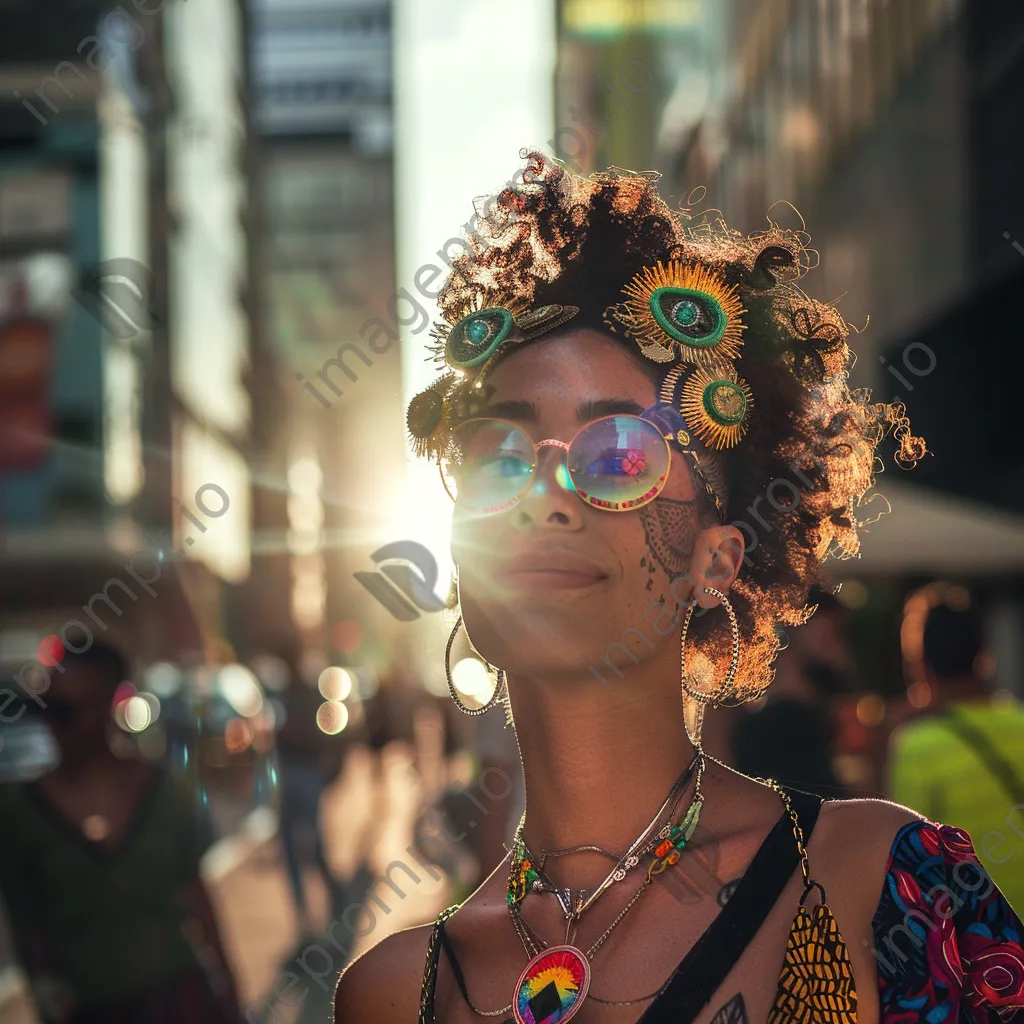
pixel 552 987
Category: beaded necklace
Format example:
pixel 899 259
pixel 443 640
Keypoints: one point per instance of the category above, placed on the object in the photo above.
pixel 527 874
pixel 556 980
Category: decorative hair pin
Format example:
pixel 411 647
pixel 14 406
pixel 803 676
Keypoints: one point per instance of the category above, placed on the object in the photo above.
pixel 677 311
pixel 473 339
pixel 428 416
pixel 468 344
pixel 716 407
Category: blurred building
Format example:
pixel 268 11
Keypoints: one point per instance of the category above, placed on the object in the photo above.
pixel 328 371
pixel 895 129
pixel 125 419
pixel 124 334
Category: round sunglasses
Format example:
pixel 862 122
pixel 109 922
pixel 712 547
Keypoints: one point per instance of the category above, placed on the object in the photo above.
pixel 616 463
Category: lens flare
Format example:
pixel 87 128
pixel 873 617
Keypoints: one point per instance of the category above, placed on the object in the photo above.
pixel 471 677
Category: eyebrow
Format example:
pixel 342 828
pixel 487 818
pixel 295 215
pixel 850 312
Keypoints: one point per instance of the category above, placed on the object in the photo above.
pixel 527 412
pixel 607 407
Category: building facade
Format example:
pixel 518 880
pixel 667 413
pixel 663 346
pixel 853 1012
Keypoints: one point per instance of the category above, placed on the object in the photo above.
pixel 122 325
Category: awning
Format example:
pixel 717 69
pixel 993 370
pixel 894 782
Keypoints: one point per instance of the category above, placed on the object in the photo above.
pixel 933 532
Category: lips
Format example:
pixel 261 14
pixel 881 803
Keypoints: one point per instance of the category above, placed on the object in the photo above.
pixel 555 569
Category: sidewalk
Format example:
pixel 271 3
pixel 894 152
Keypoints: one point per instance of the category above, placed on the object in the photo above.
pixel 363 813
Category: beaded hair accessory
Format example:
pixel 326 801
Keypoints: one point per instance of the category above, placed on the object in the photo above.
pixel 469 342
pixel 676 312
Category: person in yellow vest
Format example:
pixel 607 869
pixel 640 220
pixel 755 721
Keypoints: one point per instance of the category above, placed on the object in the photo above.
pixel 963 763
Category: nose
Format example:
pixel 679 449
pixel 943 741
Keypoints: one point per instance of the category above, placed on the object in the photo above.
pixel 551 499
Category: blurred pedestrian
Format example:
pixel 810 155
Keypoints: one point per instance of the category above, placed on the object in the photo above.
pixel 963 761
pixel 305 766
pixel 791 736
pixel 99 867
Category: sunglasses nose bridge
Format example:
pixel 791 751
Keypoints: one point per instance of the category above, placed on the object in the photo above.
pixel 555 466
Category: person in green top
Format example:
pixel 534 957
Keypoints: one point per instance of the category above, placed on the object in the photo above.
pixel 963 763
pixel 99 869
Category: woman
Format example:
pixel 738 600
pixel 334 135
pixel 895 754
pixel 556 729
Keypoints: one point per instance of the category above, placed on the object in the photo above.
pixel 649 434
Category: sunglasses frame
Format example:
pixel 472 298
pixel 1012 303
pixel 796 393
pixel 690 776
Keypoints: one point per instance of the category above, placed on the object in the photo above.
pixel 550 442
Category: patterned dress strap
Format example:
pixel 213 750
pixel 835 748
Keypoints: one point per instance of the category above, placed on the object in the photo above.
pixel 430 969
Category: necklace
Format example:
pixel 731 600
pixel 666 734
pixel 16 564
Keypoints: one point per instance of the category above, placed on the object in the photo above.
pixel 555 982
pixel 527 872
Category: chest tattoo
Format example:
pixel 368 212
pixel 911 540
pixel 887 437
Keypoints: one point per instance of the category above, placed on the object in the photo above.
pixel 734 1012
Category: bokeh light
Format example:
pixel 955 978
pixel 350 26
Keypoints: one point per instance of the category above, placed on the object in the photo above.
pixel 346 636
pixel 332 717
pixel 240 689
pixel 162 678
pixel 137 714
pixel 237 735
pixel 367 683
pixel 335 683
pixel 871 710
pixel 124 691
pixel 986 665
pixel 51 651
pixel 154 705
pixel 919 694
pixel 133 714
pixel 305 476
pixel 272 672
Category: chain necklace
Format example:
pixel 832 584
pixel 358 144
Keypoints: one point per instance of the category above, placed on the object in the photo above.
pixel 667 840
pixel 557 978
pixel 527 872
pixel 535 946
pixel 625 862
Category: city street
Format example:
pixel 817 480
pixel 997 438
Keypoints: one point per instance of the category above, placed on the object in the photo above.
pixel 283 359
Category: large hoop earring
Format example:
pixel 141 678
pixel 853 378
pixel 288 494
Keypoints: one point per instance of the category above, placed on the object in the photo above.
pixel 702 699
pixel 499 689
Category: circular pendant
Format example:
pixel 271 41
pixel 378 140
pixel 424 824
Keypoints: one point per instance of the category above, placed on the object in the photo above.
pixel 552 987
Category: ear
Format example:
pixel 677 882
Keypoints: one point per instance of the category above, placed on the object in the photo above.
pixel 717 557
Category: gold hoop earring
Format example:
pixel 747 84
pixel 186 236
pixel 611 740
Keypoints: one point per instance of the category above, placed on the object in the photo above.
pixel 499 689
pixel 699 698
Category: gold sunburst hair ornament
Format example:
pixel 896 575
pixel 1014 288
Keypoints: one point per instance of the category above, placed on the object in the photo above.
pixel 683 311
pixel 716 406
pixel 428 417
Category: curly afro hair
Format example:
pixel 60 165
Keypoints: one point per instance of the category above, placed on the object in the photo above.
pixel 796 481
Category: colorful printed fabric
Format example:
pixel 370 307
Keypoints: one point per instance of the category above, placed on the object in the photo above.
pixel 948 945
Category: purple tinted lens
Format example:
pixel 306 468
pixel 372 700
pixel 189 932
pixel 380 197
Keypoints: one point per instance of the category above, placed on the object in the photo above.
pixel 618 462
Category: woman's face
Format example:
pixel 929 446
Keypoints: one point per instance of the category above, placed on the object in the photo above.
pixel 547 585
